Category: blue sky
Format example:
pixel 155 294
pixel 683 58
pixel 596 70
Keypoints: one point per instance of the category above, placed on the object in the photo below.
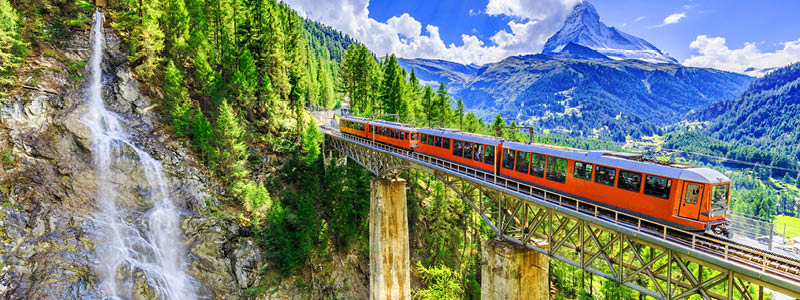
pixel 730 35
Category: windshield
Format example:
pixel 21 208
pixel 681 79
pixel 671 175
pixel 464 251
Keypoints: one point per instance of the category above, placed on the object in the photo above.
pixel 719 197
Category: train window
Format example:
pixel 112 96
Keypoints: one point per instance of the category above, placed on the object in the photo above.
pixel 431 139
pixel 438 142
pixel 508 159
pixel 605 175
pixel 629 181
pixel 523 161
pixel 657 186
pixel 423 139
pixel 395 134
pixel 557 169
pixel 446 143
pixel 467 150
pixel 372 129
pixel 489 157
pixel 458 150
pixel 479 152
pixel 583 171
pixel 413 136
pixel 537 164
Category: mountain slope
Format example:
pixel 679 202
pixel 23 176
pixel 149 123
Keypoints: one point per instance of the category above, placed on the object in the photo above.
pixel 765 115
pixel 583 27
pixel 591 98
pixel 432 71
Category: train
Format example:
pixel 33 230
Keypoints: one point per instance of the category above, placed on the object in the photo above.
pixel 681 196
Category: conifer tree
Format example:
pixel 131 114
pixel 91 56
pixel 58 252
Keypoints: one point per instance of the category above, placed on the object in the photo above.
pixel 442 104
pixel 460 113
pixel 12 48
pixel 231 151
pixel 177 98
pixel 428 104
pixel 392 88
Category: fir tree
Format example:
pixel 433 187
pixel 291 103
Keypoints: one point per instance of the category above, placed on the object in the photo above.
pixel 460 113
pixel 231 151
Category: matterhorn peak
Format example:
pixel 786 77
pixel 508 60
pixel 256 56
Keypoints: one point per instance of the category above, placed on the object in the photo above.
pixel 583 27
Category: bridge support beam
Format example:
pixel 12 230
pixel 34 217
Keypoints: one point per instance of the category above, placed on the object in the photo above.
pixel 389 262
pixel 513 272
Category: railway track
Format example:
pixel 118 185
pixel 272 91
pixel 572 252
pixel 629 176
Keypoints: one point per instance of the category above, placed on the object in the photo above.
pixel 766 262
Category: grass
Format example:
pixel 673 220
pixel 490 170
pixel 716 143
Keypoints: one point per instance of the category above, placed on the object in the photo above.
pixel 792 226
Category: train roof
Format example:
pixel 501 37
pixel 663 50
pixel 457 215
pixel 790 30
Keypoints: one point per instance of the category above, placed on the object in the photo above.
pixel 354 118
pixel 461 135
pixel 627 161
pixel 393 125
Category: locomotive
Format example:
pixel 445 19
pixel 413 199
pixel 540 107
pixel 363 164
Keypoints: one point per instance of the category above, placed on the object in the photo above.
pixel 680 196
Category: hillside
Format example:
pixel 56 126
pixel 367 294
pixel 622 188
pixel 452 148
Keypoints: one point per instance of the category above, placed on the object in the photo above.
pixel 765 115
pixel 591 98
pixel 432 71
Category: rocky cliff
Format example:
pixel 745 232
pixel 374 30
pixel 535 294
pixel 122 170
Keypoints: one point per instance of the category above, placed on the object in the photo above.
pixel 47 190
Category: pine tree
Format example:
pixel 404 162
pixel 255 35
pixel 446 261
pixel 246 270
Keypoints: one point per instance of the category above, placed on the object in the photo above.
pixel 12 48
pixel 460 113
pixel 431 113
pixel 498 123
pixel 147 40
pixel 231 151
pixel 392 88
pixel 442 104
pixel 177 99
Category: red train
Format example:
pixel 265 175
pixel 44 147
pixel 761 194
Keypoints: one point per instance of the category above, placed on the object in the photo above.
pixel 681 196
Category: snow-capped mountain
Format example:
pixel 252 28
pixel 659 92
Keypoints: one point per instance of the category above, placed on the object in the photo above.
pixel 583 27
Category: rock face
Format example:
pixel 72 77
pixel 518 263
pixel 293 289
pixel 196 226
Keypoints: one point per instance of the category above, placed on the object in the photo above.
pixel 47 188
pixel 583 27
pixel 47 196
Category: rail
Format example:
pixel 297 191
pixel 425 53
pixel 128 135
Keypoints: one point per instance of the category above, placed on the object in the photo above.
pixel 760 264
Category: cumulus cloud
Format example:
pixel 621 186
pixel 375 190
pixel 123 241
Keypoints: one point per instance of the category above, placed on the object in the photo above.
pixel 673 18
pixel 533 21
pixel 714 53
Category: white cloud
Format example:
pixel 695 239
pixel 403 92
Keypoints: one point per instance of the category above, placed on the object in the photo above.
pixel 673 18
pixel 533 22
pixel 639 19
pixel 474 12
pixel 714 53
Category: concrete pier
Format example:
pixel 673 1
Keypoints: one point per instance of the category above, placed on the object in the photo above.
pixel 513 272
pixel 389 274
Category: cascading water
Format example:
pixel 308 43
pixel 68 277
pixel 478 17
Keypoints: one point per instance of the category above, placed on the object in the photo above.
pixel 133 248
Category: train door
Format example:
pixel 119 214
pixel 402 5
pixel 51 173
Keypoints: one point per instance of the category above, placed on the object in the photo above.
pixel 690 200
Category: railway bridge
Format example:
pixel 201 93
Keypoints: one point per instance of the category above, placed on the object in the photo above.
pixel 533 225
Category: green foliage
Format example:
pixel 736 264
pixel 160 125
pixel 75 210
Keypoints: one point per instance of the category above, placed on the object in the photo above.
pixel 440 284
pixel 312 140
pixel 254 197
pixel 697 142
pixel 360 73
pixel 764 116
pixel 176 98
pixel 232 152
pixel 12 48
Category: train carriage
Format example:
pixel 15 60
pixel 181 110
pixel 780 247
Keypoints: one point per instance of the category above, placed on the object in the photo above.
pixel 392 133
pixel 469 149
pixel 684 197
pixel 355 126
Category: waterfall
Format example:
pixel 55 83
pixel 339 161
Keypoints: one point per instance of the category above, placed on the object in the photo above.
pixel 132 247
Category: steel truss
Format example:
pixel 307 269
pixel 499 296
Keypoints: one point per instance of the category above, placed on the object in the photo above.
pixel 639 254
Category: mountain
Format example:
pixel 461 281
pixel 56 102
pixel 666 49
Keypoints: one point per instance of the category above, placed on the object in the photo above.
pixel 594 98
pixel 432 71
pixel 765 115
pixel 583 27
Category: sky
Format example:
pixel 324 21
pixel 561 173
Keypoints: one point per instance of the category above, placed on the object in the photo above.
pixel 727 35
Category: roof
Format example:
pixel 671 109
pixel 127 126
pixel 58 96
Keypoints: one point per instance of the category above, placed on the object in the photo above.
pixel 354 118
pixel 627 161
pixel 392 125
pixel 460 135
